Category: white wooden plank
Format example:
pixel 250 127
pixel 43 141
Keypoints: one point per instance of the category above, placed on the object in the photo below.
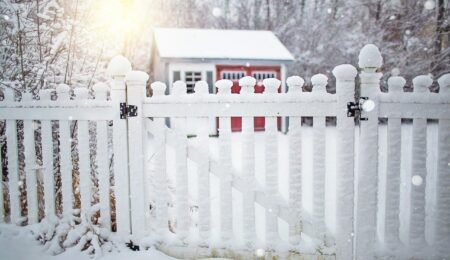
pixel 65 143
pixel 248 175
pixel 271 180
pixel 416 235
pixel 101 92
pixel 135 92
pixel 226 170
pixel 413 110
pixel 30 171
pixel 367 173
pixel 182 204
pixel 442 206
pixel 47 160
pixel 295 179
pixel 345 127
pixel 204 207
pixel 84 164
pixel 239 109
pixel 103 174
pixel 391 237
pixel 13 171
pixel 58 113
pixel 2 209
pixel 318 177
pixel 47 163
pixel 120 154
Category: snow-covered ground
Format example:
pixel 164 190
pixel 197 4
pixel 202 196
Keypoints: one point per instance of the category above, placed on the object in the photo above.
pixel 18 243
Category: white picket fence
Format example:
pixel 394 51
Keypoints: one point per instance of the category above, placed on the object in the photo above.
pixel 378 213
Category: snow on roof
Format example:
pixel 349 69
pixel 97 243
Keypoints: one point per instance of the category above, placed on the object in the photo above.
pixel 220 44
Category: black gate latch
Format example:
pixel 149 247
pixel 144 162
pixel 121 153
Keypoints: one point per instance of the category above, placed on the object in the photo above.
pixel 354 108
pixel 127 110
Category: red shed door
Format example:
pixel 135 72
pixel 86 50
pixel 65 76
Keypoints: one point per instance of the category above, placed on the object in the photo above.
pixel 234 73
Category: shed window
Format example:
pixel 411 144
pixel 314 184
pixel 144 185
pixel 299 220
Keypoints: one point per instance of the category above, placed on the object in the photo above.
pixel 191 77
pixel 261 75
pixel 232 75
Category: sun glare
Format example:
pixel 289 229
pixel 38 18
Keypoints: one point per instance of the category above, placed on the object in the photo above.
pixel 119 16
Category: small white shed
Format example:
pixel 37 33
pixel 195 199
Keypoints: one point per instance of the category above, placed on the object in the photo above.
pixel 191 55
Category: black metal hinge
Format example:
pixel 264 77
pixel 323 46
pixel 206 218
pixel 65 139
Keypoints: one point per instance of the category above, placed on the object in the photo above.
pixel 354 108
pixel 127 110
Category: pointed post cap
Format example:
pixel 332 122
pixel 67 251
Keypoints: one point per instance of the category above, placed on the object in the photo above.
pixel 158 88
pixel 119 66
pixel 370 57
pixel 179 88
pixel 271 85
pixel 396 84
pixel 422 83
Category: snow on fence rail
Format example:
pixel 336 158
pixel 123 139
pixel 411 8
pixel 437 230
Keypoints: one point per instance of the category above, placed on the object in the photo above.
pixel 387 178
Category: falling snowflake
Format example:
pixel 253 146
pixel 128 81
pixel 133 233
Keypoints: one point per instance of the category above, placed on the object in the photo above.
pixel 395 71
pixel 329 10
pixel 217 12
pixel 417 180
pixel 429 4
pixel 260 252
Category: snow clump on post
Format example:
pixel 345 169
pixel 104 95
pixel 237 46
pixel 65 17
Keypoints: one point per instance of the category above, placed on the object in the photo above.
pixel 396 84
pixel 201 87
pixel 119 66
pixel 319 82
pixel 345 72
pixel 444 83
pixel 370 57
pixel 295 82
pixel 224 86
pixel 158 88
pixel 422 83
pixel 271 85
pixel 179 88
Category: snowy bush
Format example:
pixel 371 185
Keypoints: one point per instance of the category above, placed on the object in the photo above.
pixel 80 231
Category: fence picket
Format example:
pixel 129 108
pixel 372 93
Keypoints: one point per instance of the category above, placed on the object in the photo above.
pixel 118 68
pixel 295 84
pixel 13 164
pixel 81 94
pixel 345 141
pixel 416 235
pixel 101 90
pixel 248 166
pixel 2 203
pixel 136 82
pixel 47 159
pixel 30 165
pixel 442 206
pixel 182 203
pixel 65 143
pixel 367 173
pixel 392 182
pixel 226 205
pixel 204 207
pixel 271 166
pixel 319 82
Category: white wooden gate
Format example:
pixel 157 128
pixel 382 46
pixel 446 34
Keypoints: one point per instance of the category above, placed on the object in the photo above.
pixel 372 187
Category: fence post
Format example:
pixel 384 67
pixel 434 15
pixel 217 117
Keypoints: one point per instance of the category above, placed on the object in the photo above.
pixel 442 205
pixel 136 83
pixel 345 89
pixel 117 69
pixel 367 173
